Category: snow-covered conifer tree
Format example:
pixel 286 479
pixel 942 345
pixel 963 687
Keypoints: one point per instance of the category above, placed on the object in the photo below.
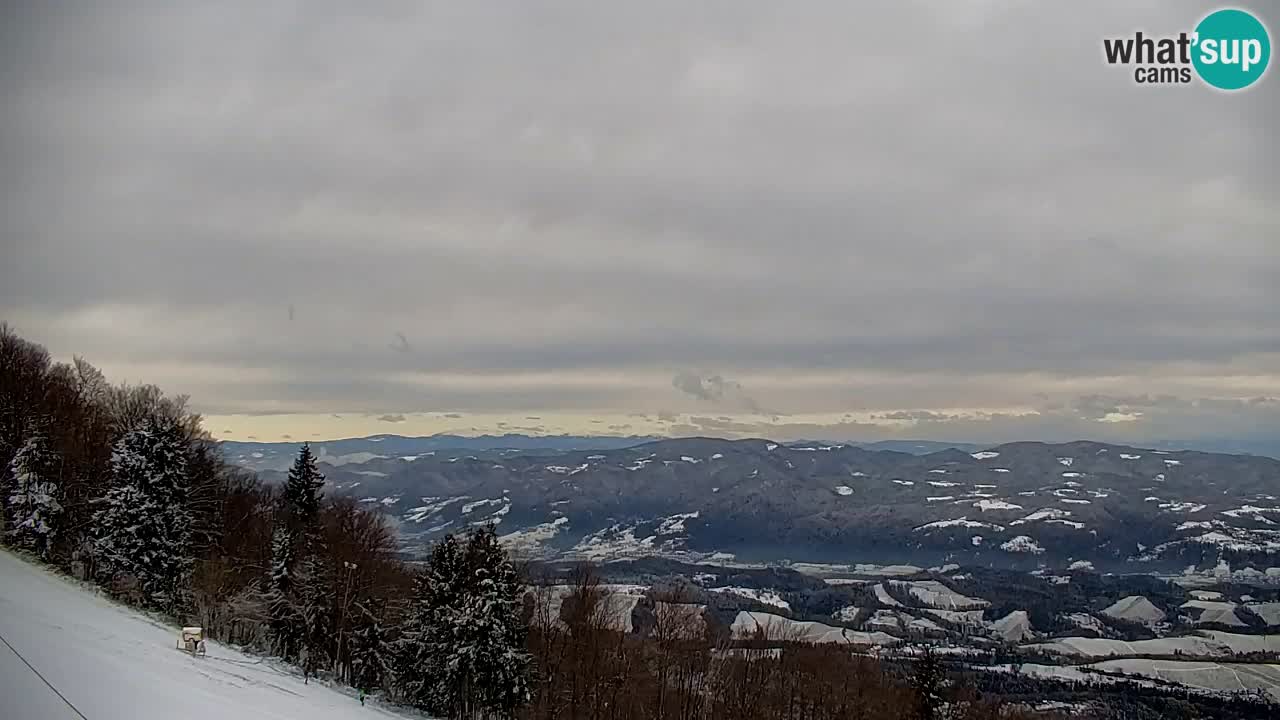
pixel 286 625
pixel 370 653
pixel 462 652
pixel 302 492
pixel 314 593
pixel 33 505
pixel 143 524
pixel 298 579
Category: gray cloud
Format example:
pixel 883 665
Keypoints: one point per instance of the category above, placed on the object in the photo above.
pixel 962 209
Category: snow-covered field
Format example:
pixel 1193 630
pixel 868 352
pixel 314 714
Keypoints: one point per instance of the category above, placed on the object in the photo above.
pixel 115 664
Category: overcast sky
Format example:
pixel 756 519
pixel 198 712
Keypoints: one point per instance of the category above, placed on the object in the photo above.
pixel 929 219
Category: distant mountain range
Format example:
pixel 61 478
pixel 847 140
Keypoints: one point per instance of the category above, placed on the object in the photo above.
pixel 1019 505
pixel 279 455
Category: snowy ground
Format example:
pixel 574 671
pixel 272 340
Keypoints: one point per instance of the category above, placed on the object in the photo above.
pixel 114 664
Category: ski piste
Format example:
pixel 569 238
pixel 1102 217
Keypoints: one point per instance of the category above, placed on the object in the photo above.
pixel 110 663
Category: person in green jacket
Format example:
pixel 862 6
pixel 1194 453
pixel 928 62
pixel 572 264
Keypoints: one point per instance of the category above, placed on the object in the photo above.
pixel 362 696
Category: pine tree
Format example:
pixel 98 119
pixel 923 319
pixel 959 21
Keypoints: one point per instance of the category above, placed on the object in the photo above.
pixel 928 681
pixel 462 653
pixel 286 625
pixel 302 493
pixel 314 585
pixel 143 524
pixel 33 506
pixel 298 579
pixel 369 651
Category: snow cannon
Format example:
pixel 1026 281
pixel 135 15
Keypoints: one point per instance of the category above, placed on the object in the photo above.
pixel 192 640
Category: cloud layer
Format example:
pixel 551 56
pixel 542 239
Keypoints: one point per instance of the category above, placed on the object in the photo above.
pixel 936 214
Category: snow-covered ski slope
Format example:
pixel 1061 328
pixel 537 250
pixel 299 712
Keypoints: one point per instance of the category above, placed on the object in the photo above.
pixel 114 664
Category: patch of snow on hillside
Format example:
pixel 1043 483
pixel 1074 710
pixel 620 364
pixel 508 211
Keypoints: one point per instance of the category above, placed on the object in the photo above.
pixel 479 503
pixel 939 471
pixel 1187 507
pixel 771 447
pixel 1073 475
pixel 944 483
pixel 531 538
pixel 984 455
pixel 939 498
pixel 858 473
pixel 1194 524
pixel 688 459
pixel 1069 523
pixel 908 483
pixel 1172 463
pixel 985 505
pixel 844 490
pixel 675 523
pixel 1000 470
pixel 883 597
pixel 717 456
pixel 959 522
pixel 1022 544
pixel 1043 514
pixel 1066 461
pixel 433 506
pixel 1076 501
pixel 768 597
pixel 1080 565
pixel 1125 456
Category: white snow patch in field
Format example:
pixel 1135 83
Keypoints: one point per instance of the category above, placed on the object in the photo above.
pixel 1076 501
pixel 985 505
pixel 717 456
pixel 844 490
pixel 1194 525
pixel 1125 456
pixel 1066 461
pixel 908 483
pixel 1022 544
pixel 940 498
pixel 1000 470
pixel 984 455
pixel 771 447
pixel 675 523
pixel 939 471
pixel 959 522
pixel 944 483
pixel 531 538
pixel 1187 507
pixel 857 473
pixel 768 597
pixel 479 503
pixel 1073 475
pixel 1172 463
pixel 688 459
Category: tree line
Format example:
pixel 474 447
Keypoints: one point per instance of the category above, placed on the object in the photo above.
pixel 121 485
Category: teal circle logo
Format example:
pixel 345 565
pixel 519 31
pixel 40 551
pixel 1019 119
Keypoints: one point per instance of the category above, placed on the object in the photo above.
pixel 1232 49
